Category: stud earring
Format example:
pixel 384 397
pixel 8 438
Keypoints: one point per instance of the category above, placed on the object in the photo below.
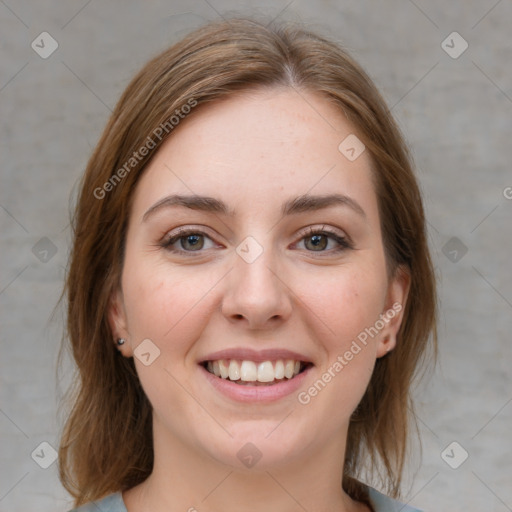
pixel 121 341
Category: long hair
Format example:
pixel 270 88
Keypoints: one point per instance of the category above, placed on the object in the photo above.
pixel 107 443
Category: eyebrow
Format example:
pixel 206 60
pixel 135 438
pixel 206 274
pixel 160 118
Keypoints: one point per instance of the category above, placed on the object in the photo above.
pixel 300 204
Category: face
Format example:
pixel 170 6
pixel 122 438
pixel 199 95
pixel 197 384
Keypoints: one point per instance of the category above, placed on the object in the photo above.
pixel 265 277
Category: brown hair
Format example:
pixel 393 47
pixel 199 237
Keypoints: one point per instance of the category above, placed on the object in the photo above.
pixel 107 441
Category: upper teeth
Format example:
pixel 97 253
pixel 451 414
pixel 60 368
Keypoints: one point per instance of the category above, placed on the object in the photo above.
pixel 249 371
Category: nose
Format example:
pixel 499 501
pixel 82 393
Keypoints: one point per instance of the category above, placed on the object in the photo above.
pixel 256 294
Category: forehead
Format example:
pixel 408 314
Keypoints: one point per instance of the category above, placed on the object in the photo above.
pixel 257 148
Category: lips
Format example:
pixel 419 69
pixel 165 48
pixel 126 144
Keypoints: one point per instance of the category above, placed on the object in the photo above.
pixel 258 356
pixel 255 392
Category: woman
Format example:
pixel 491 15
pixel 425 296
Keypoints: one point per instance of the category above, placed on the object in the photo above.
pixel 250 289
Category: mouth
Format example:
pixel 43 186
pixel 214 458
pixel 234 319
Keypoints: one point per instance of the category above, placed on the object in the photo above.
pixel 251 373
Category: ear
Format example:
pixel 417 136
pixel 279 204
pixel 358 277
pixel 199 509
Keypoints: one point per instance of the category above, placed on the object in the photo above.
pixel 392 315
pixel 118 323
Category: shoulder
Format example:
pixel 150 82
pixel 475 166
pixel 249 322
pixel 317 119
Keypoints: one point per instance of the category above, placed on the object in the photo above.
pixel 382 503
pixel 111 503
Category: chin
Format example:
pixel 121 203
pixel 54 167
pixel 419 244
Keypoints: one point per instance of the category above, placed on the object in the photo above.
pixel 257 446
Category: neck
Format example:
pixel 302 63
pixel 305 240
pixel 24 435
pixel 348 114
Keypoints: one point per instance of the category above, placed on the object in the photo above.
pixel 184 479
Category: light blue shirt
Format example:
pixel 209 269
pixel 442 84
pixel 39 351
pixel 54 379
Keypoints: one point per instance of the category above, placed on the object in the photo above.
pixel 114 503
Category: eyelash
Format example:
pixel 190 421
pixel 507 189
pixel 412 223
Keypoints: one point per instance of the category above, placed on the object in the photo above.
pixel 344 242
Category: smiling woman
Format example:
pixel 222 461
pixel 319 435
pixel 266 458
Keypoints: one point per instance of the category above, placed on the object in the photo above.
pixel 249 306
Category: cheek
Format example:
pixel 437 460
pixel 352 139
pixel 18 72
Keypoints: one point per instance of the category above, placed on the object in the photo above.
pixel 171 308
pixel 345 303
pixel 166 305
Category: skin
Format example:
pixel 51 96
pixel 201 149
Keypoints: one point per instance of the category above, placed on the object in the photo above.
pixel 253 151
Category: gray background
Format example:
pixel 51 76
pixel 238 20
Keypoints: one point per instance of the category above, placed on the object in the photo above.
pixel 457 116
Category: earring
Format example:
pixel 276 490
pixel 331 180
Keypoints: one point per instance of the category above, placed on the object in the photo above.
pixel 121 341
